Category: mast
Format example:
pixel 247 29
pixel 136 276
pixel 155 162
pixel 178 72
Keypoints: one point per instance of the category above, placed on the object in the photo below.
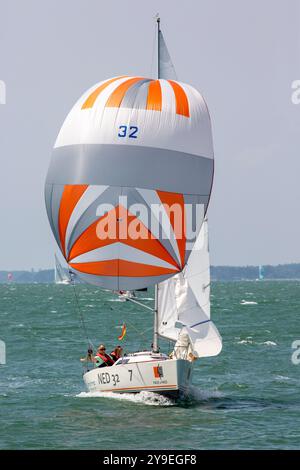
pixel 155 347
pixel 158 47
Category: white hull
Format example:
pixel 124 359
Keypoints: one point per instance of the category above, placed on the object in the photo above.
pixel 142 372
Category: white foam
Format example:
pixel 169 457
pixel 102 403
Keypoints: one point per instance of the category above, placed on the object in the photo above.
pixel 147 398
pixel 198 394
pixel 270 343
pixel 282 378
pixel 248 302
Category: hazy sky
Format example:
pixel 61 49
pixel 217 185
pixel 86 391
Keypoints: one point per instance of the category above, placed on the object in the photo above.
pixel 242 56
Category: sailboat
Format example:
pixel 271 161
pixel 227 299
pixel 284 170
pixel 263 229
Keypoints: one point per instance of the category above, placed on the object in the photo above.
pixel 261 273
pixel 60 275
pixel 126 295
pixel 126 194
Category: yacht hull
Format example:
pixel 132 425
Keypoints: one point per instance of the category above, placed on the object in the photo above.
pixel 169 377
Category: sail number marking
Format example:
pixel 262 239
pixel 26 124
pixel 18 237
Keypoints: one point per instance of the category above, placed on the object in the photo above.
pixel 128 131
pixel 105 378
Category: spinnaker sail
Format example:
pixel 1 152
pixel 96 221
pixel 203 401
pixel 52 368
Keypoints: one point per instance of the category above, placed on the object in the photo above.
pixel 130 151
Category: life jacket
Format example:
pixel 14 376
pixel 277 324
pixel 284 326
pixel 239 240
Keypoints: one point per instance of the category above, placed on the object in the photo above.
pixel 114 357
pixel 105 358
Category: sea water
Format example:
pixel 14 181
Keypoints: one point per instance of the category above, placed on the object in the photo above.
pixel 246 398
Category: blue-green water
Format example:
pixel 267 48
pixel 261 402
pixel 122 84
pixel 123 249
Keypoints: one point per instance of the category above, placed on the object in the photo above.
pixel 248 397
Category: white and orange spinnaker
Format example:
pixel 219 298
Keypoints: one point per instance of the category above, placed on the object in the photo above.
pixel 131 150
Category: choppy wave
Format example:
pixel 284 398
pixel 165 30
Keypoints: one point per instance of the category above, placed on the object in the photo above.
pixel 199 394
pixel 245 341
pixel 249 340
pixel 147 398
pixel 282 378
pixel 195 394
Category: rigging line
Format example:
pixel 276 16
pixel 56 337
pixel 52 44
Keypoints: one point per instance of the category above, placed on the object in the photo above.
pixel 136 302
pixel 90 343
pixel 141 333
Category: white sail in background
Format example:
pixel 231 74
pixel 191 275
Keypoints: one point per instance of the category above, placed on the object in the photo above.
pixel 166 67
pixel 184 302
pixel 60 276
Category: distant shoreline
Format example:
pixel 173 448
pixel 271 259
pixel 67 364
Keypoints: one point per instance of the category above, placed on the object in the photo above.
pixel 280 272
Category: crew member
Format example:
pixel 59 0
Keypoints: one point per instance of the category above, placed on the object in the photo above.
pixel 102 359
pixel 116 353
pixel 89 357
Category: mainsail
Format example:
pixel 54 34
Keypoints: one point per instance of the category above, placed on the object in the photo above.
pixel 184 302
pixel 130 150
pixel 165 64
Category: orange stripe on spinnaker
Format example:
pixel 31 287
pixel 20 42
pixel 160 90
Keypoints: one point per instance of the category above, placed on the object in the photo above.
pixel 117 95
pixel 69 199
pixel 154 98
pixel 89 241
pixel 124 228
pixel 89 102
pixel 182 104
pixel 174 207
pixel 121 268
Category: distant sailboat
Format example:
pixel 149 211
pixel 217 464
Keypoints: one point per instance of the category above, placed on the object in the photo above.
pixel 126 295
pixel 60 275
pixel 135 141
pixel 261 273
